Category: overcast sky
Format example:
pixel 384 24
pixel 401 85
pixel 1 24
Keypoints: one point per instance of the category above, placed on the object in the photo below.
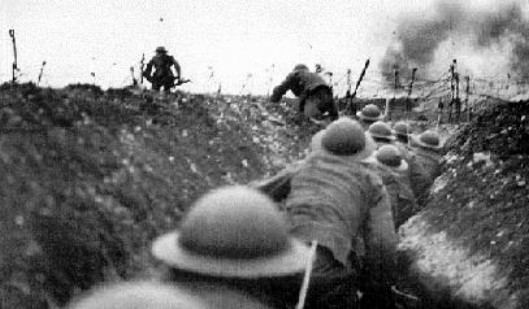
pixel 232 38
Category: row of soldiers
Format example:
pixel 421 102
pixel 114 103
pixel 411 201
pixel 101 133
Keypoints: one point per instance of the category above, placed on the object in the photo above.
pixel 319 234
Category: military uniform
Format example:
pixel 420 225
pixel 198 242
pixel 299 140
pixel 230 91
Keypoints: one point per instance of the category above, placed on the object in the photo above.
pixel 235 237
pixel 419 179
pixel 341 202
pixel 431 161
pixel 163 75
pixel 315 96
pixel 401 196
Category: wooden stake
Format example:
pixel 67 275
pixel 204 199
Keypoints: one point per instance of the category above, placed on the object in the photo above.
pixel 457 100
pixel 358 82
pixel 142 66
pixel 408 104
pixel 467 78
pixel 452 89
pixel 41 72
pixel 15 57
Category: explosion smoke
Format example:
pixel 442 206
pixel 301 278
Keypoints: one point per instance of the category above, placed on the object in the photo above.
pixel 418 39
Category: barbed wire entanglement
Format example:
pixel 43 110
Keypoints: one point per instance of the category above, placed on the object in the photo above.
pixel 455 90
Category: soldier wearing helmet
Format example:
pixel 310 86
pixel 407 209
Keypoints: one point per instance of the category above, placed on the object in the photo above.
pixel 157 295
pixel 338 199
pixel 394 170
pixel 427 147
pixel 381 133
pixel 235 237
pixel 315 95
pixel 419 178
pixel 369 115
pixel 163 76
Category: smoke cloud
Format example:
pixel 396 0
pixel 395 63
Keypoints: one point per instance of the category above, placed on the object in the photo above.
pixel 418 38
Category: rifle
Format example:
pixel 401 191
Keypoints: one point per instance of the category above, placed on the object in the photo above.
pixel 15 66
pixel 181 81
pixel 352 97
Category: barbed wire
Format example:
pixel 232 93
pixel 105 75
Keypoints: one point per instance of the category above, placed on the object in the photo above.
pixel 429 87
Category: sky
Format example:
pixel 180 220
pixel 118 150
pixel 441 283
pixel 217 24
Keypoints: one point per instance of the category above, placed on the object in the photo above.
pixel 246 46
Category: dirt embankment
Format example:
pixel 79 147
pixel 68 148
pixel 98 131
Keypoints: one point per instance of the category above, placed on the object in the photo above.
pixel 470 244
pixel 89 178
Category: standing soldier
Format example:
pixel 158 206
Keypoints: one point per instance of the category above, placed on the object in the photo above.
pixel 418 176
pixel 427 147
pixel 163 75
pixel 235 237
pixel 394 172
pixel 369 115
pixel 337 199
pixel 315 96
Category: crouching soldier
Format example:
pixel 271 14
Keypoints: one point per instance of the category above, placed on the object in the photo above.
pixel 337 199
pixel 394 172
pixel 235 237
pixel 315 96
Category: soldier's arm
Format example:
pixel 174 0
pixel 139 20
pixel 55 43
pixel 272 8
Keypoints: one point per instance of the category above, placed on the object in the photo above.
pixel 381 239
pixel 177 68
pixel 380 262
pixel 280 90
pixel 148 69
pixel 278 186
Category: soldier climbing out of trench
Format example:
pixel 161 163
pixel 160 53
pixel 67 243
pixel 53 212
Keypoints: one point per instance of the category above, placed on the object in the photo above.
pixel 315 95
pixel 163 76
pixel 337 199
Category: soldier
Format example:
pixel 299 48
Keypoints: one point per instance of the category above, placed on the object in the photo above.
pixel 428 149
pixel 235 237
pixel 325 74
pixel 381 133
pixel 163 75
pixel 141 294
pixel 315 96
pixel 394 172
pixel 156 295
pixel 419 178
pixel 369 115
pixel 402 132
pixel 337 199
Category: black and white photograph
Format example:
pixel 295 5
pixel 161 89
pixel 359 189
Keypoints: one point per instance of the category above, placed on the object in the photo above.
pixel 355 154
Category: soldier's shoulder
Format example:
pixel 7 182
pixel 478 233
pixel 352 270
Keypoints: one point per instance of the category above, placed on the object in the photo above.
pixel 373 173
